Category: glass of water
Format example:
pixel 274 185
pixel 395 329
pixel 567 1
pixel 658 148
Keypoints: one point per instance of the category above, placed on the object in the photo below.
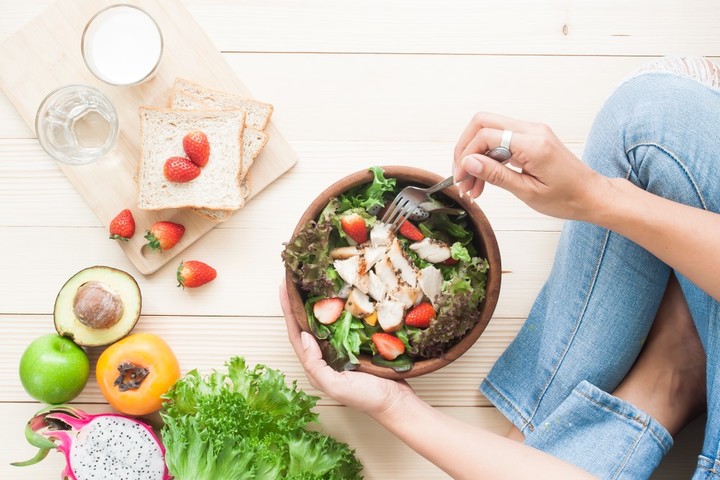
pixel 76 124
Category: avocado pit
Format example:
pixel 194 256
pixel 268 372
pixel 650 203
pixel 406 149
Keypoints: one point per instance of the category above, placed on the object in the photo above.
pixel 97 306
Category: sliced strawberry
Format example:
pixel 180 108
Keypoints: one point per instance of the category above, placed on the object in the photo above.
pixel 180 170
pixel 328 310
pixel 410 231
pixel 420 315
pixel 192 274
pixel 388 346
pixel 197 147
pixel 451 261
pixel 122 227
pixel 354 226
pixel 164 235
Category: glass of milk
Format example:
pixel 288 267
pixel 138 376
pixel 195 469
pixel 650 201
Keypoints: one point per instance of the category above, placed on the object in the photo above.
pixel 76 124
pixel 122 45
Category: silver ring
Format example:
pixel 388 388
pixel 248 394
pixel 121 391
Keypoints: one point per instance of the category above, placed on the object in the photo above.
pixel 502 152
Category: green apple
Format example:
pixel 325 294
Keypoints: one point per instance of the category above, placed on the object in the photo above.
pixel 53 369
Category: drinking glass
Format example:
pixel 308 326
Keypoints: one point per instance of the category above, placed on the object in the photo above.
pixel 122 45
pixel 76 124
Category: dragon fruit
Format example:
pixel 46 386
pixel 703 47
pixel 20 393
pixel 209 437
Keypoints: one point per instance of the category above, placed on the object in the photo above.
pixel 104 446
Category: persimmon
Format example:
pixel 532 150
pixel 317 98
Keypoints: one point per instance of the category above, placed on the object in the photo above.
pixel 134 372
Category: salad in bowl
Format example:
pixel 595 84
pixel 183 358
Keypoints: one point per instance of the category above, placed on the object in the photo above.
pixel 396 304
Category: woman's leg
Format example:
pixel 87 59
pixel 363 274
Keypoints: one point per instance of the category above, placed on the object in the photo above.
pixel 588 325
pixel 624 435
pixel 668 378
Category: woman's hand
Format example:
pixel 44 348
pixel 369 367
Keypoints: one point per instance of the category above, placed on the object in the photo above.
pixel 551 179
pixel 362 391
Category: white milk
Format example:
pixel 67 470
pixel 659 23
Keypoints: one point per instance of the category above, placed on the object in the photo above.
pixel 122 45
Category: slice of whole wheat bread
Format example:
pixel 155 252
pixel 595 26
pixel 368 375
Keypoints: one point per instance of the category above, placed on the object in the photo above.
pixel 258 113
pixel 162 131
pixel 253 142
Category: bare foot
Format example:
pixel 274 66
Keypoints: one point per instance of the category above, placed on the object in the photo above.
pixel 668 378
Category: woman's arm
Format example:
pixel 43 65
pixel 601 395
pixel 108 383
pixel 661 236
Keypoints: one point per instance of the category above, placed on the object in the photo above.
pixel 464 452
pixel 467 452
pixel 555 182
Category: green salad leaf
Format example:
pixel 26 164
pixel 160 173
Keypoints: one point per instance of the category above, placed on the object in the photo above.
pixel 368 196
pixel 248 424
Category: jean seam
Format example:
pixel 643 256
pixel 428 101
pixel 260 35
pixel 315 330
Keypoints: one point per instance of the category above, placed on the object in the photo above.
pixel 622 466
pixel 644 430
pixel 577 324
pixel 676 158
pixel 638 420
pixel 711 469
pixel 512 406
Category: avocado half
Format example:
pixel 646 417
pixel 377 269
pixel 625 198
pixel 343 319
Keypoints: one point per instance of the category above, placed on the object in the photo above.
pixel 97 306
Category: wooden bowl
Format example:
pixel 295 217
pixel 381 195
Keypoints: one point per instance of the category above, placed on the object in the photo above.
pixel 484 239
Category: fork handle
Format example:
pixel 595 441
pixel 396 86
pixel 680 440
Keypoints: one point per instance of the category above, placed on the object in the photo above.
pixel 441 186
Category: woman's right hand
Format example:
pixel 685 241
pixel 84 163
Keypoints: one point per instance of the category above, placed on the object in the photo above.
pixel 551 179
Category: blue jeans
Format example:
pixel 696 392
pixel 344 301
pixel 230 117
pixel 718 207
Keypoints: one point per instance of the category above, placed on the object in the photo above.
pixel 586 328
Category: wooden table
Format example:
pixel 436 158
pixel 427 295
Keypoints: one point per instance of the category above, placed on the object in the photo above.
pixel 354 84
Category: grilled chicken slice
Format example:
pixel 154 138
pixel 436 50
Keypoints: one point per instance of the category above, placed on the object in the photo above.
pixel 343 253
pixel 432 250
pixel 359 304
pixel 430 283
pixel 380 235
pixel 407 271
pixel 407 295
pixel 386 272
pixel 372 255
pixel 348 269
pixel 390 315
pixel 376 287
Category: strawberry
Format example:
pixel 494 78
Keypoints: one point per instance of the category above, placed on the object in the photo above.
pixel 450 262
pixel 420 315
pixel 164 235
pixel 122 227
pixel 354 226
pixel 197 147
pixel 180 169
pixel 328 310
pixel 388 346
pixel 410 231
pixel 193 274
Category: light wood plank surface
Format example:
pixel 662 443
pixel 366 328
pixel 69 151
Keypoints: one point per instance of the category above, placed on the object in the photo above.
pixel 354 84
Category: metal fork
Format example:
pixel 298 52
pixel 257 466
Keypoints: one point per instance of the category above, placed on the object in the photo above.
pixel 408 200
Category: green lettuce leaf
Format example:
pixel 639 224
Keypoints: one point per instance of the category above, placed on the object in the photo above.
pixel 247 424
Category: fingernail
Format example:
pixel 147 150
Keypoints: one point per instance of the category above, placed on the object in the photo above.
pixel 305 337
pixel 472 165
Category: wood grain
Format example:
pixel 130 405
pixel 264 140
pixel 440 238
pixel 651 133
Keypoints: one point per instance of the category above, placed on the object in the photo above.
pixel 512 27
pixel 51 41
pixel 354 84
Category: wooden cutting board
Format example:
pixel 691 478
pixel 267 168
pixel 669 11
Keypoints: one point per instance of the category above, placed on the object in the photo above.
pixel 45 55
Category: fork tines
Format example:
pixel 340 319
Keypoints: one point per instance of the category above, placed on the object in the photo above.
pixel 398 210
